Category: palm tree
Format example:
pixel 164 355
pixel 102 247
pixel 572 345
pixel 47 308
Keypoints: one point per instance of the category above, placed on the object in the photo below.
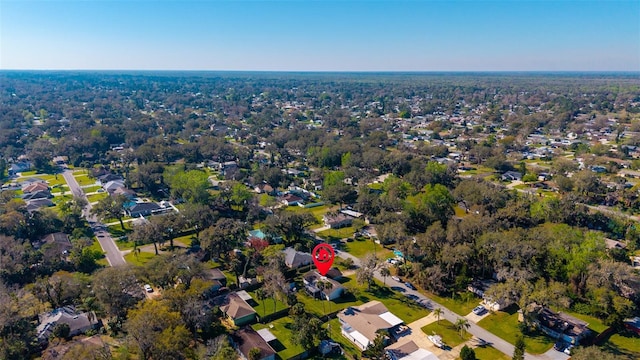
pixel 462 325
pixel 385 272
pixel 438 312
pixel 262 296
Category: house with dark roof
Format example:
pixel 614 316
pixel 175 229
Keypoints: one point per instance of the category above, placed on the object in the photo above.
pixel 322 287
pixel 236 308
pixel 360 324
pixel 143 209
pixel 19 167
pixel 247 339
pixel 128 193
pixel 291 200
pixel 56 244
pixel 559 325
pixel 34 205
pixel 40 194
pixel 295 259
pixel 79 322
pixel 511 176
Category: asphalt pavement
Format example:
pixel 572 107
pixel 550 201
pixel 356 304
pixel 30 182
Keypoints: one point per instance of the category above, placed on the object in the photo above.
pixel 112 252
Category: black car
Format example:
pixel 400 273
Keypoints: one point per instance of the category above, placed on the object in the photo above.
pixel 409 285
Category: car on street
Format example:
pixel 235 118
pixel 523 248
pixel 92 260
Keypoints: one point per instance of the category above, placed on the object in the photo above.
pixel 479 310
pixel 148 288
pixel 409 285
pixel 395 278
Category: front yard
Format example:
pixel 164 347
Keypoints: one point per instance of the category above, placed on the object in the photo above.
pixel 450 336
pixel 505 325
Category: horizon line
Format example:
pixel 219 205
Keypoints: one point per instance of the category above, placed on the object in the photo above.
pixel 326 71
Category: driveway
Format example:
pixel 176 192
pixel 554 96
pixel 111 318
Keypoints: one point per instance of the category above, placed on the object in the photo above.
pixel 112 253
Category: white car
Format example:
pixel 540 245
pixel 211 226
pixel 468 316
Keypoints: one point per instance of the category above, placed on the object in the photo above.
pixel 395 278
pixel 148 288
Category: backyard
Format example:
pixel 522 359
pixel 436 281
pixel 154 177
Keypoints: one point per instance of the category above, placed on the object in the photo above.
pixel 281 329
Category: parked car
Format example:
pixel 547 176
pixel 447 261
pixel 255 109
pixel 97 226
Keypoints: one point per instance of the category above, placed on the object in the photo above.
pixel 560 346
pixel 395 278
pixel 568 350
pixel 479 310
pixel 409 285
pixel 148 288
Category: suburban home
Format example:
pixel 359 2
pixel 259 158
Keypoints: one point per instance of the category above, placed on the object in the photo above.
pixel 56 244
pixel 216 277
pixel 291 200
pixel 558 325
pixel 19 167
pixel 264 189
pixel 337 220
pixel 247 339
pixel 60 160
pixel 113 185
pixel 478 287
pixel 295 259
pixel 79 322
pixel 322 287
pixel 408 351
pixel 511 176
pixel 237 309
pixel 143 209
pixel 35 187
pixel 41 194
pixel 128 193
pixel 360 324
pixel 614 244
pixel 34 205
pixel 108 177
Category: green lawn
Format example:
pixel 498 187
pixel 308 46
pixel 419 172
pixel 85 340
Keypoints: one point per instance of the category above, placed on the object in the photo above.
pixel 59 188
pixel 116 230
pixel 91 189
pixel 317 211
pixel 489 353
pixel 460 304
pixel 334 330
pixel 96 247
pixel 450 336
pixel 139 259
pixel 266 307
pixel 84 179
pixel 505 325
pixel 281 328
pixel 361 247
pixel 595 324
pixel 96 197
pixel 337 234
pixel 322 307
pixel 625 343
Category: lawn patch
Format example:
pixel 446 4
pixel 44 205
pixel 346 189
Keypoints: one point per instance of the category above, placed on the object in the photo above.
pixel 96 197
pixel 625 343
pixel 489 353
pixel 281 328
pixel 505 325
pixel 461 304
pixel 139 259
pixel 361 247
pixel 335 333
pixel 84 179
pixel 91 189
pixel 265 306
pixel 450 336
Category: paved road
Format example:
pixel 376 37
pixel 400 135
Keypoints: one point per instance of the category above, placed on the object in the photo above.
pixel 112 253
pixel 449 315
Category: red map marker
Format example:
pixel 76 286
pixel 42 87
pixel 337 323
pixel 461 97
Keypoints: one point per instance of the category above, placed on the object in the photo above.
pixel 323 258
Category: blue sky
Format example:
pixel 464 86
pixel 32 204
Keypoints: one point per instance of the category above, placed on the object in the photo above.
pixel 305 35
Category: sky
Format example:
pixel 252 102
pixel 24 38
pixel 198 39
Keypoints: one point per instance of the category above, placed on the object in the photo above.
pixel 317 35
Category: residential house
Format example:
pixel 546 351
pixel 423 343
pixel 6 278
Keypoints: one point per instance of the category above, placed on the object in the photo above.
pixel 291 200
pixel 79 322
pixel 56 244
pixel 108 177
pixel 19 167
pixel 143 209
pixel 247 339
pixel 35 187
pixel 360 324
pixel 322 287
pixel 295 259
pixel 112 186
pixel 559 325
pixel 41 194
pixel 264 189
pixel 237 309
pixel 408 351
pixel 614 244
pixel 511 176
pixel 34 205
pixel 337 220
pixel 479 287
pixel 216 276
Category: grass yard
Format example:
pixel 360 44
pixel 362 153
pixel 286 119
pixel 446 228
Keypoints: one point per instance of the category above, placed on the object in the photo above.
pixel 62 198
pixel 450 336
pixel 266 307
pixel 281 328
pixel 139 259
pixel 59 189
pixel 84 179
pixel 361 247
pixel 96 247
pixel 595 324
pixel 337 234
pixel 317 211
pixel 460 304
pixel 116 230
pixel 96 197
pixel 334 330
pixel 624 343
pixel 91 189
pixel 505 325
pixel 322 307
pixel 489 353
